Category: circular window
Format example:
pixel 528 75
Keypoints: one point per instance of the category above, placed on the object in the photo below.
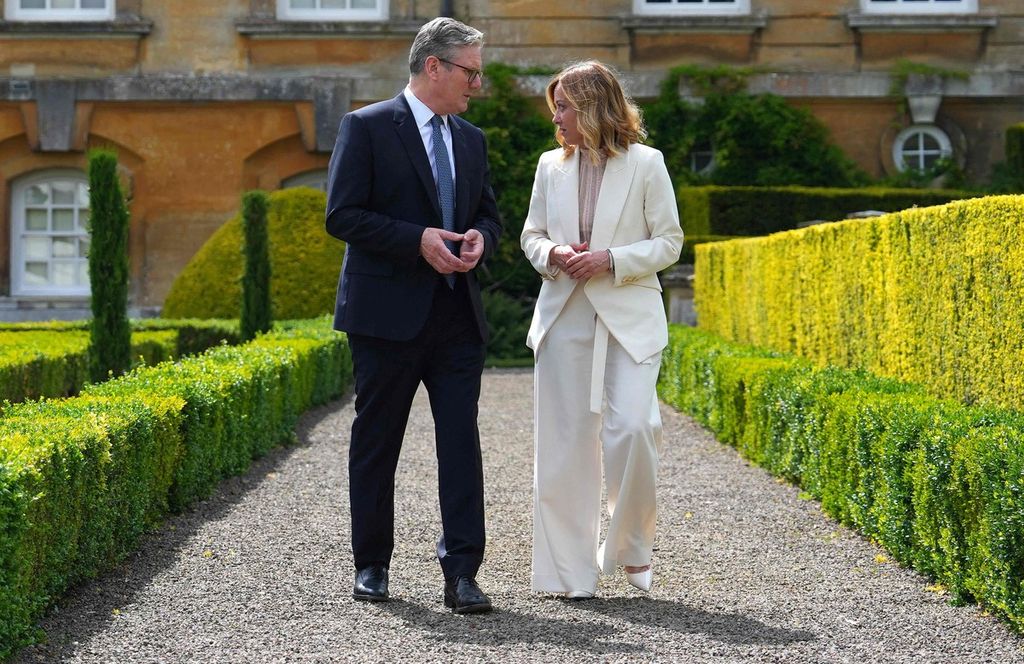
pixel 920 147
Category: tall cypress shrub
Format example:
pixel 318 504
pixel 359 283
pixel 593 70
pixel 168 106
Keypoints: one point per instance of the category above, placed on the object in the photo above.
pixel 256 277
pixel 110 334
pixel 1015 152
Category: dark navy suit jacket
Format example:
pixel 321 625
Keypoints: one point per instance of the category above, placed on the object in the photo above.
pixel 381 195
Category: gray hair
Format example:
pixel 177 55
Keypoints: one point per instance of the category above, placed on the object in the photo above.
pixel 441 38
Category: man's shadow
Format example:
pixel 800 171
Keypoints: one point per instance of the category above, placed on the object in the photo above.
pixel 599 636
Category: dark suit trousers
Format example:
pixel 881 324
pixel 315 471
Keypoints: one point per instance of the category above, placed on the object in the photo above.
pixel 447 356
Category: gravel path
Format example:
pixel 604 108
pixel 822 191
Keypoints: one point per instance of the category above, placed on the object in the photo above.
pixel 746 571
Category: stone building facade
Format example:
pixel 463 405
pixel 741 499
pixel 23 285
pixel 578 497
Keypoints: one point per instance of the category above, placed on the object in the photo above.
pixel 204 100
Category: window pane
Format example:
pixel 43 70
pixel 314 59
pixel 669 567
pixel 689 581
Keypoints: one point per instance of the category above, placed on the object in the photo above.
pixel 929 142
pixel 64 193
pixel 929 160
pixel 62 4
pixel 37 248
pixel 33 4
pixel 36 274
pixel 37 194
pixel 83 194
pixel 83 247
pixel 333 4
pixel 64 273
pixel 83 221
pixel 302 4
pixel 94 4
pixel 364 4
pixel 63 220
pixel 65 247
pixel 36 220
pixel 83 273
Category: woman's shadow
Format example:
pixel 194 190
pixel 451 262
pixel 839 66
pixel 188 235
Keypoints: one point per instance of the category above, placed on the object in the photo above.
pixel 598 636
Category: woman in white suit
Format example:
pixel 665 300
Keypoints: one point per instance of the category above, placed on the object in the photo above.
pixel 602 222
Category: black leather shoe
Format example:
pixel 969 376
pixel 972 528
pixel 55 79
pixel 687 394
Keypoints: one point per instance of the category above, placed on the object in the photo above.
pixel 371 584
pixel 462 595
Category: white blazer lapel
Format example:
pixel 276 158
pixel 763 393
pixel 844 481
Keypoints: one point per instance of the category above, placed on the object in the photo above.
pixel 567 193
pixel 618 177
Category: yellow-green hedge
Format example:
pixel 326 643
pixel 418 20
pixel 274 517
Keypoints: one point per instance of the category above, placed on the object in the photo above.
pixel 935 482
pixel 931 295
pixel 81 479
pixel 51 359
pixel 304 262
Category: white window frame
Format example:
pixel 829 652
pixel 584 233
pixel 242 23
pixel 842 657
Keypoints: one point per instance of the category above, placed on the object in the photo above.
pixel 945 144
pixel 701 8
pixel 902 7
pixel 316 179
pixel 286 13
pixel 14 12
pixel 19 234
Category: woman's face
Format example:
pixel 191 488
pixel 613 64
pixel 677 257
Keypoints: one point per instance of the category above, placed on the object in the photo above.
pixel 565 118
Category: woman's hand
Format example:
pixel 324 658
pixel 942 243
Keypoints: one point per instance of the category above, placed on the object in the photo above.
pixel 560 256
pixel 587 264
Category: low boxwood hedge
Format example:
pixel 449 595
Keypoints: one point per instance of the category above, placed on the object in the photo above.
pixel 51 359
pixel 937 483
pixel 82 478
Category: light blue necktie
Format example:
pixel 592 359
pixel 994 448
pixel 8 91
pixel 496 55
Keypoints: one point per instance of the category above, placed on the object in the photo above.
pixel 445 186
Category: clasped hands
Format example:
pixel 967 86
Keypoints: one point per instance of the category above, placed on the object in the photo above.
pixel 578 261
pixel 436 252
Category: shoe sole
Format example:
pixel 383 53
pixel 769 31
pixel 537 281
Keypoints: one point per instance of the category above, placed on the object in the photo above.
pixel 370 598
pixel 472 608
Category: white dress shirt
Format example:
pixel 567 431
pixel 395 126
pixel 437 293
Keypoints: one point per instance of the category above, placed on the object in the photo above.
pixel 423 114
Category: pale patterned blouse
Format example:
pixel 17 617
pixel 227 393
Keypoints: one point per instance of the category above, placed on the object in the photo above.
pixel 590 187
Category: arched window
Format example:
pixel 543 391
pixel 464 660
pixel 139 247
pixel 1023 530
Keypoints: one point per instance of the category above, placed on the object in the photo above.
pixel 920 147
pixel 316 179
pixel 50 234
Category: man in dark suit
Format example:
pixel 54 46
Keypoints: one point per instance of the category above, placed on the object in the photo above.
pixel 409 192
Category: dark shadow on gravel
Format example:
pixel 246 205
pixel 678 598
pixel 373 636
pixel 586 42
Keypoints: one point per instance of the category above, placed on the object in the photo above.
pixel 87 609
pixel 724 627
pixel 502 627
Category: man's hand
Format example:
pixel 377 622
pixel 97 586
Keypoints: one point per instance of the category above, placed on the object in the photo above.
pixel 587 264
pixel 437 254
pixel 472 248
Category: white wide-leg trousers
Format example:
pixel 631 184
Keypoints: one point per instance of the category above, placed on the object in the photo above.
pixel 569 443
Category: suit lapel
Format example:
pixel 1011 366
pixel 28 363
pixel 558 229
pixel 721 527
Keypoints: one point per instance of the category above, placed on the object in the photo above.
pixel 567 193
pixel 405 124
pixel 463 174
pixel 618 176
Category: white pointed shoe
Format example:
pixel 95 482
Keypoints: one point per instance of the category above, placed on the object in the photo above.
pixel 641 580
pixel 579 594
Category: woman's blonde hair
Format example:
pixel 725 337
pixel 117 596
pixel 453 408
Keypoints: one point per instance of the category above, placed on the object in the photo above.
pixel 607 117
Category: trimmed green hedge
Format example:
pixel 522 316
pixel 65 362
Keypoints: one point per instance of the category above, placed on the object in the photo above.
pixel 51 359
pixel 304 262
pixel 82 478
pixel 763 210
pixel 933 296
pixel 937 483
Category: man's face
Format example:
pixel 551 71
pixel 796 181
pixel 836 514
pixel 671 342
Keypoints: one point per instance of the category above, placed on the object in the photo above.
pixel 457 80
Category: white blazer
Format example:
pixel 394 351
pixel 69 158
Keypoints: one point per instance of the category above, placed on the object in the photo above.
pixel 635 217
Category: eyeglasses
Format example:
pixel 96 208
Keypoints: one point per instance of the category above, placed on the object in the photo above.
pixel 473 75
